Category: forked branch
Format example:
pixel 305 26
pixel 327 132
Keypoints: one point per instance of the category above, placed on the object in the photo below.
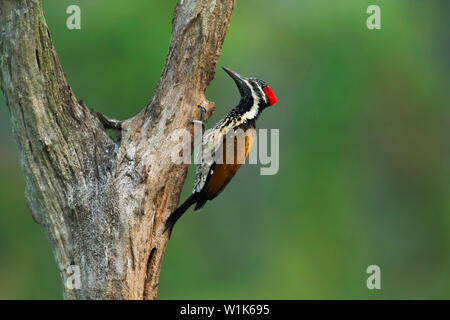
pixel 102 203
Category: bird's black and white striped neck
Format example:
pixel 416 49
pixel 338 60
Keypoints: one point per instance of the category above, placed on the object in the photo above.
pixel 256 95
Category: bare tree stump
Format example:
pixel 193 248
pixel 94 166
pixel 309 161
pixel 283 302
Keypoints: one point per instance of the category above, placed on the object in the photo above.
pixel 103 203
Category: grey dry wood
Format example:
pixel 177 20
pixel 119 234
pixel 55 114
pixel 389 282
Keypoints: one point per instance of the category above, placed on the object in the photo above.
pixel 103 203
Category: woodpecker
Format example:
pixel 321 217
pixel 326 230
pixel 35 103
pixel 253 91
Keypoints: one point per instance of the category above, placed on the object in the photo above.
pixel 215 169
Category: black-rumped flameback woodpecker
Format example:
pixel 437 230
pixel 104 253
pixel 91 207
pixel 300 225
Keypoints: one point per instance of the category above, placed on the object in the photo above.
pixel 212 176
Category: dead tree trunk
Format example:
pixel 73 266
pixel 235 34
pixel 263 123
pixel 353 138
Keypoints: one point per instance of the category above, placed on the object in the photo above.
pixel 101 202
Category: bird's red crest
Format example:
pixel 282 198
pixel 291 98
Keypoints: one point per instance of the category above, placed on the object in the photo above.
pixel 270 96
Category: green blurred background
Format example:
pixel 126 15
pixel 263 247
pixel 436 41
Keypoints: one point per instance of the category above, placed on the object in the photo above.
pixel 364 151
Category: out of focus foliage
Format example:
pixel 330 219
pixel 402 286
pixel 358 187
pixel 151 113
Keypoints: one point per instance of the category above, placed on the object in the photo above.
pixel 364 150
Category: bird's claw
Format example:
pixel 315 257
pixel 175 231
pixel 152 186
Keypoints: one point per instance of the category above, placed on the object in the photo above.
pixel 202 108
pixel 202 117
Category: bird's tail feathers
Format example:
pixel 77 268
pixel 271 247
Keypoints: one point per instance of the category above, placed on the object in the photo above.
pixel 174 216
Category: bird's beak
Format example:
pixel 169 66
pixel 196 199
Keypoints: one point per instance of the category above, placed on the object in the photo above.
pixel 238 80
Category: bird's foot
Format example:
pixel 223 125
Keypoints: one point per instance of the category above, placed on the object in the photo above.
pixel 202 120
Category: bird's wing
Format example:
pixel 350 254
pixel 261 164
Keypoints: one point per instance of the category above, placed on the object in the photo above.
pixel 222 173
pixel 222 158
pixel 211 142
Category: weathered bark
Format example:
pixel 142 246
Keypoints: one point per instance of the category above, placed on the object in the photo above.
pixel 101 202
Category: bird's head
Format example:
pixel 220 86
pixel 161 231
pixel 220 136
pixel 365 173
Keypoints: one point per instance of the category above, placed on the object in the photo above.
pixel 256 95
